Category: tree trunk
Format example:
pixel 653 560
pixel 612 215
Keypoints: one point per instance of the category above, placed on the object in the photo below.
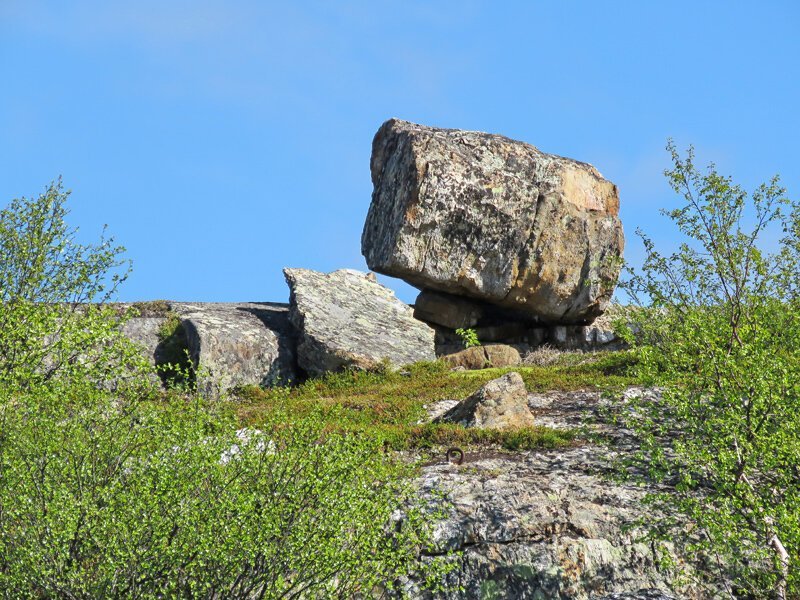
pixel 783 558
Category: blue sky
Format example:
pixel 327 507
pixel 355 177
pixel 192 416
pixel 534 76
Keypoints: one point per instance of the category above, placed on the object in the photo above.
pixel 222 141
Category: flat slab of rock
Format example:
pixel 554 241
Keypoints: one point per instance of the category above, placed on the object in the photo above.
pixel 347 319
pixel 447 310
pixel 232 344
pixel 483 216
pixel 549 524
pixel 500 404
pixel 481 357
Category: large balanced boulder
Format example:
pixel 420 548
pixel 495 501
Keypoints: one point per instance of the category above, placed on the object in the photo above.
pixel 500 404
pixel 484 216
pixel 347 319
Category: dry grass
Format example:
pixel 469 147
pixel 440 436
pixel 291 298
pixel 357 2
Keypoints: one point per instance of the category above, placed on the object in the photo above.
pixel 543 356
pixel 548 356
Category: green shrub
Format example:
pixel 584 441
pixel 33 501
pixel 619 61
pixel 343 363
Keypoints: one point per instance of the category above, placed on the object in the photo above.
pixel 720 332
pixel 111 488
pixel 469 337
pixel 107 498
pixel 53 322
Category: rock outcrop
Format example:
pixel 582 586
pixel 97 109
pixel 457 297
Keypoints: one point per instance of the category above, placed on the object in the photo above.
pixel 500 404
pixel 548 524
pixel 483 216
pixel 502 238
pixel 232 344
pixel 347 319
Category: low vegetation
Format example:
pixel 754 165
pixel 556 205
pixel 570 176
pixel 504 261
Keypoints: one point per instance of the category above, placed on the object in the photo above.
pixel 102 498
pixel 391 406
pixel 111 488
pixel 719 330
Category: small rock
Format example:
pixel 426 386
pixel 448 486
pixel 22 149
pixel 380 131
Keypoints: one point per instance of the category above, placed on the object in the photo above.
pixel 500 404
pixel 481 357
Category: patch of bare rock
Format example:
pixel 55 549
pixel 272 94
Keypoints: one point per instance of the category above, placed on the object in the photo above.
pixel 547 524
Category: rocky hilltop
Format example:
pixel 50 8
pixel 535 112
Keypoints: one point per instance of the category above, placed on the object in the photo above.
pixel 518 245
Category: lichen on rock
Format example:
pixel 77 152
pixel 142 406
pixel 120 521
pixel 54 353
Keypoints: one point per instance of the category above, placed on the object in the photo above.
pixel 347 319
pixel 500 404
pixel 487 217
pixel 233 344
